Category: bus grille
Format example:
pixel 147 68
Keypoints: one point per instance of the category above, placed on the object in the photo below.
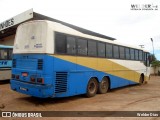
pixel 40 64
pixel 61 82
pixel 14 63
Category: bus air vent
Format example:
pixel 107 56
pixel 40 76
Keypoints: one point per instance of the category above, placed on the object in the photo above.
pixel 40 64
pixel 61 82
pixel 14 63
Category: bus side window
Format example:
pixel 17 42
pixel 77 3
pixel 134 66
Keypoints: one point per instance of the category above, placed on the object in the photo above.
pixel 71 45
pixel 92 48
pixel 82 47
pixel 122 55
pixel 140 55
pixel 148 60
pixel 3 54
pixel 109 50
pixel 132 54
pixel 60 43
pixel 101 49
pixel 10 51
pixel 127 51
pixel 136 54
pixel 116 51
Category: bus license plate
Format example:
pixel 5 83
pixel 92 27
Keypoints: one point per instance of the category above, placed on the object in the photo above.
pixel 24 89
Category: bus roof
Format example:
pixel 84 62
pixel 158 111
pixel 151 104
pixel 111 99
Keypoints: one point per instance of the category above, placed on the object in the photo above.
pixel 58 27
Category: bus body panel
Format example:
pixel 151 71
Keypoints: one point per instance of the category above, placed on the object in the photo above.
pixel 40 70
pixel 61 77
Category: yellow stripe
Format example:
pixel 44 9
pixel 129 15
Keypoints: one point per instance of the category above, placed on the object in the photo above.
pixel 104 65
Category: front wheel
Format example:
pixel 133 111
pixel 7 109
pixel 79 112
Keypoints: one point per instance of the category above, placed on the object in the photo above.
pixel 92 87
pixel 141 79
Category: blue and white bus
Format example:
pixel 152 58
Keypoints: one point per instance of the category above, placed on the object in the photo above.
pixel 53 60
pixel 5 62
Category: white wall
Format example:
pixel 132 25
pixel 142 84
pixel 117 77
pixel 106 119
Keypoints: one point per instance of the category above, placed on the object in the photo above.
pixel 156 70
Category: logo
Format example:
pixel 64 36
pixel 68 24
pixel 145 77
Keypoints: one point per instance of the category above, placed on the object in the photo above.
pixel 144 7
pixel 3 62
pixel 7 23
pixel 6 114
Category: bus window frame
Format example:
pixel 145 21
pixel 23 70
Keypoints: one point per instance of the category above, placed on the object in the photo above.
pixel 7 53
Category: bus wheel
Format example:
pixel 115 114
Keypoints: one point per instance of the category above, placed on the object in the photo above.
pixel 92 87
pixel 103 86
pixel 141 79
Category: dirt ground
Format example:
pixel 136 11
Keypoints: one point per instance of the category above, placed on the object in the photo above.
pixel 131 98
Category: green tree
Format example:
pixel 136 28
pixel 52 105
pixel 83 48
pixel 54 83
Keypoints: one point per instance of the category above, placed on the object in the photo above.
pixel 152 58
pixel 155 64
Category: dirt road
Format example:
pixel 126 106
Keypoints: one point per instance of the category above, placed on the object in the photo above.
pixel 132 98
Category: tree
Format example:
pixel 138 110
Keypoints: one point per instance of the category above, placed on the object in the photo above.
pixel 152 58
pixel 155 64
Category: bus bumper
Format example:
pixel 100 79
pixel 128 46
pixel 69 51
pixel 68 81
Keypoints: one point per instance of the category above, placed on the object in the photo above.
pixel 41 91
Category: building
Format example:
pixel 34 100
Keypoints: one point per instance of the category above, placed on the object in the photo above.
pixel 8 27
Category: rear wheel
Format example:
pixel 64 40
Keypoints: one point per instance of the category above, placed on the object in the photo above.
pixel 103 86
pixel 92 87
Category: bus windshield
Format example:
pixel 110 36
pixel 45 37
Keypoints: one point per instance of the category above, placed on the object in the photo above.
pixel 31 38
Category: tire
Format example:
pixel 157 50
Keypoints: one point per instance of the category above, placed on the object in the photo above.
pixel 141 80
pixel 103 86
pixel 92 87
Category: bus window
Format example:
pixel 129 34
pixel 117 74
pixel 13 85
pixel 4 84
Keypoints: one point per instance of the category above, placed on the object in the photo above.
pixel 132 54
pixel 127 50
pixel 3 54
pixel 92 48
pixel 101 49
pixel 140 55
pixel 122 56
pixel 144 56
pixel 147 60
pixel 82 47
pixel 10 54
pixel 71 45
pixel 136 54
pixel 60 43
pixel 109 49
pixel 115 51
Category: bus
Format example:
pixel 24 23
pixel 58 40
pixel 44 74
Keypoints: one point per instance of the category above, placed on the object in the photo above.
pixel 5 62
pixel 54 60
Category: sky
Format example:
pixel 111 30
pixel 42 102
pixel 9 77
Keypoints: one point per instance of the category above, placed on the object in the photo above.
pixel 114 18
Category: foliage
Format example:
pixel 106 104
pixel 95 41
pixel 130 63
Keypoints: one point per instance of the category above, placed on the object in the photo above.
pixel 155 63
pixel 152 58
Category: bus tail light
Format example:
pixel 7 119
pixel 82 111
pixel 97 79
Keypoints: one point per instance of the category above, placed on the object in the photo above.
pixel 13 76
pixel 40 80
pixel 32 79
pixel 17 76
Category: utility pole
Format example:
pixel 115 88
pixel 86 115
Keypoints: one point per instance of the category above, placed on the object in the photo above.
pixel 152 45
